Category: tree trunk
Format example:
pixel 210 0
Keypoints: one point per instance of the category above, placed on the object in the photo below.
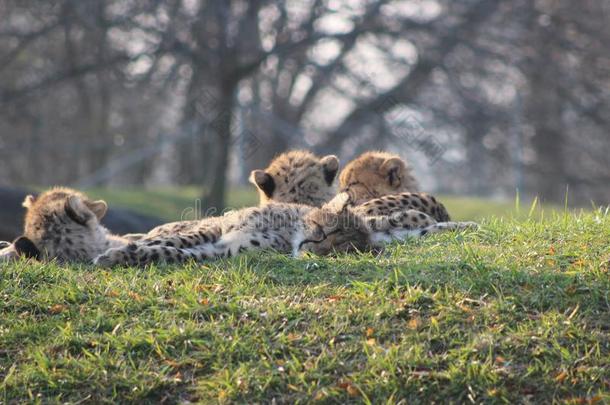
pixel 547 177
pixel 215 196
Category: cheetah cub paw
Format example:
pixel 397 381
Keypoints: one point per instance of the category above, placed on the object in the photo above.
pixel 110 258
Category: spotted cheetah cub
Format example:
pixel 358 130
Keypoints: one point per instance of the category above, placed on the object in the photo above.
pixel 282 227
pixel 299 177
pixel 380 183
pixel 304 184
pixel 376 174
pixel 62 224
pixel 296 176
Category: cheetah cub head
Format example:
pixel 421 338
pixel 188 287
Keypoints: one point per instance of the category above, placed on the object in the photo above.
pixel 334 228
pixel 297 177
pixel 375 174
pixel 62 224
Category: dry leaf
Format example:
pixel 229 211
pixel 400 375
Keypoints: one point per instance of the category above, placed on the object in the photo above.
pixel 413 323
pixel 135 296
pixel 353 391
pixel 57 309
pixel 577 401
pixel 215 288
pixel 369 332
pixel 171 363
pixel 595 399
pixel 320 395
pixel 561 377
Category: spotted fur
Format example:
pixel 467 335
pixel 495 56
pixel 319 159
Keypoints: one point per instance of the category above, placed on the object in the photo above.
pixel 298 177
pixel 395 203
pixel 62 224
pixel 283 227
pixel 380 183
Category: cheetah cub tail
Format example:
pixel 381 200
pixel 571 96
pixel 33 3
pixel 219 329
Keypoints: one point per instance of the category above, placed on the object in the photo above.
pixel 401 234
pixel 381 238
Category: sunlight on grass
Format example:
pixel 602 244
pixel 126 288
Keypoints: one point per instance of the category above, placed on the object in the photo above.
pixel 515 312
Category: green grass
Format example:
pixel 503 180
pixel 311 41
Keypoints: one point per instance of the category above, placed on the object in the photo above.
pixel 516 312
pixel 170 204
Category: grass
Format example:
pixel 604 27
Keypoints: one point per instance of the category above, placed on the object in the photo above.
pixel 516 312
pixel 170 204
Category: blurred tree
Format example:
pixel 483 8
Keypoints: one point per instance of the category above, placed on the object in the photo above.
pixel 500 91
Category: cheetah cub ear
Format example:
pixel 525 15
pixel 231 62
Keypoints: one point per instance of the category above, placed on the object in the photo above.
pixel 263 181
pixel 99 208
pixel 392 169
pixel 82 212
pixel 29 201
pixel 330 166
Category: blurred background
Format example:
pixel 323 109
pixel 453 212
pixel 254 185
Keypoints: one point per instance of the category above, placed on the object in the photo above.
pixel 182 98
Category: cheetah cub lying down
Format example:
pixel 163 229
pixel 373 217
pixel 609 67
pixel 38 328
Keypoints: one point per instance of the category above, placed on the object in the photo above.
pixel 296 176
pixel 376 174
pixel 63 224
pixel 303 178
pixel 282 227
pixel 380 183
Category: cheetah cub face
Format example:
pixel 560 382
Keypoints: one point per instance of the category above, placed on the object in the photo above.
pixel 375 174
pixel 297 177
pixel 62 224
pixel 334 228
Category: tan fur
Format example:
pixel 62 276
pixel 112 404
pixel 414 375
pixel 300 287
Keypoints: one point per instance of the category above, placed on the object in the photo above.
pixel 64 225
pixel 282 227
pixel 376 174
pixel 298 177
pixel 396 203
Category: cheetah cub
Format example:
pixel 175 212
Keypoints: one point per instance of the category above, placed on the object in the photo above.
pixel 298 177
pixel 380 183
pixel 282 227
pixel 376 174
pixel 303 178
pixel 62 224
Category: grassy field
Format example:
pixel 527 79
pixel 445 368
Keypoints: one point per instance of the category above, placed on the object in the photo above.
pixel 516 312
